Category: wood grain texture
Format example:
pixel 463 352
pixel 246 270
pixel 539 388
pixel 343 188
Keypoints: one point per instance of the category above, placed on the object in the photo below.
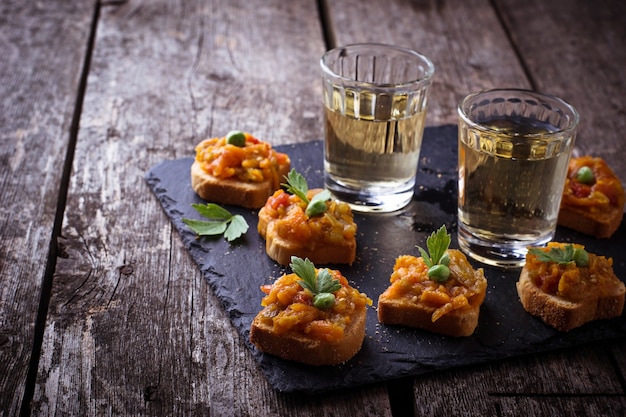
pixel 536 386
pixel 36 108
pixel 133 327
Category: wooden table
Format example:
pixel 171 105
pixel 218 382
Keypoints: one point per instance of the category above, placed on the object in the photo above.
pixel 102 311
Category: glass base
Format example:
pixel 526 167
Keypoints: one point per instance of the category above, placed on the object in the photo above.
pixel 370 203
pixel 501 253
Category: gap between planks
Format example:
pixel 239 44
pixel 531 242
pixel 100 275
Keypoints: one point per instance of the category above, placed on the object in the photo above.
pixel 53 250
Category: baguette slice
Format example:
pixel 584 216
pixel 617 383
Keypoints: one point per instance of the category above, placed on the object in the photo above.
pixel 237 169
pixel 596 209
pixel 317 248
pixel 299 348
pixel 410 311
pixel 600 295
pixel 231 191
pixel 297 326
pixel 566 315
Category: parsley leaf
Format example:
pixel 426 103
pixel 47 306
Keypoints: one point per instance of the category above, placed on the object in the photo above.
pixel 322 284
pixel 306 271
pixel 212 211
pixel 237 227
pixel 220 221
pixel 297 185
pixel 204 228
pixel 562 255
pixel 326 282
pixel 437 258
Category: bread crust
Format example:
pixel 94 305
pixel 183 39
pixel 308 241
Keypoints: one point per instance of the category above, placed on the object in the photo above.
pixel 299 348
pixel 600 225
pixel 461 322
pixel 565 315
pixel 251 195
pixel 281 250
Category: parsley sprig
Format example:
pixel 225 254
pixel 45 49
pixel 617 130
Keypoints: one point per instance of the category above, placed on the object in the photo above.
pixel 220 221
pixel 322 284
pixel 297 185
pixel 562 255
pixel 437 258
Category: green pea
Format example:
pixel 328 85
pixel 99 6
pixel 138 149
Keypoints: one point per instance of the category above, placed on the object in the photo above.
pixel 324 300
pixel 585 175
pixel 236 137
pixel 439 273
pixel 581 257
pixel 445 259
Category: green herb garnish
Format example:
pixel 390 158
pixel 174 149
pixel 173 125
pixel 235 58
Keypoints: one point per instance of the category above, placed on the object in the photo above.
pixel 220 221
pixel 297 185
pixel 562 255
pixel 322 284
pixel 437 258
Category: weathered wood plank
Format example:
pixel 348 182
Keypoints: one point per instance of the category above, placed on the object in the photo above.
pixel 537 384
pixel 133 328
pixel 36 108
pixel 618 350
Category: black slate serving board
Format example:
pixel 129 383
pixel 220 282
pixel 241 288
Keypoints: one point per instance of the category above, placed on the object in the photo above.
pixel 235 272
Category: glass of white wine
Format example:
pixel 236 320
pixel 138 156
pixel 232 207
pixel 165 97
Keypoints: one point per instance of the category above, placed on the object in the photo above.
pixel 514 149
pixel 375 100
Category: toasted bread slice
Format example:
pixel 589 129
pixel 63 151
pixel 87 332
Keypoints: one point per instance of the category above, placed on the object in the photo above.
pixel 407 309
pixel 232 191
pixel 319 247
pixel 565 315
pixel 300 348
pixel 295 324
pixel 237 169
pixel 586 294
pixel 595 205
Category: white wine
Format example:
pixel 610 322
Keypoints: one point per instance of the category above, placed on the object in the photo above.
pixel 372 155
pixel 511 182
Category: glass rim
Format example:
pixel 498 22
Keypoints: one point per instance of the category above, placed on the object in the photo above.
pixel 426 78
pixel 564 108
